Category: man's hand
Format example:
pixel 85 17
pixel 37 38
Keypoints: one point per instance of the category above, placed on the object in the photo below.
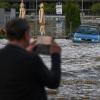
pixel 31 46
pixel 55 48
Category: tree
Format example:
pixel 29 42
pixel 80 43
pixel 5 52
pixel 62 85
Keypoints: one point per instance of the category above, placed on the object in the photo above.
pixel 5 5
pixel 72 16
pixel 49 8
pixel 95 8
pixel 16 6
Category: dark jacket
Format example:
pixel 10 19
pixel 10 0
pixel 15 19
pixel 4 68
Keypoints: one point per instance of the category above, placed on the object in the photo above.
pixel 23 75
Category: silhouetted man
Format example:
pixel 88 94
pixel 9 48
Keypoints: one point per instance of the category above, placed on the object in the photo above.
pixel 23 75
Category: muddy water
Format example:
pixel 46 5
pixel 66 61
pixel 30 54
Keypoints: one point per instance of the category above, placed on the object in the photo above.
pixel 80 72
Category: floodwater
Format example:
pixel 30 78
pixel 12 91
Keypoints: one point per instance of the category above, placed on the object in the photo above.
pixel 80 71
pixel 80 66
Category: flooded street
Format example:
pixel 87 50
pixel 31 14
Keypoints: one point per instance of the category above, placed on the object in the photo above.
pixel 80 71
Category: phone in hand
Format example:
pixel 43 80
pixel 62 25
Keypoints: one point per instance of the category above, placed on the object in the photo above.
pixel 43 44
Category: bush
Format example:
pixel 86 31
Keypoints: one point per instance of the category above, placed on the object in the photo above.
pixel 95 8
pixel 5 5
pixel 2 33
pixel 16 6
pixel 72 16
pixel 49 8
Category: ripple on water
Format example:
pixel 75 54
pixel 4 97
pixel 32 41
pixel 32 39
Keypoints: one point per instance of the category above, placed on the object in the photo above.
pixel 80 71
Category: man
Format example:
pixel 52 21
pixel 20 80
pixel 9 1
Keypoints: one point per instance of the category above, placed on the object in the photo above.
pixel 23 75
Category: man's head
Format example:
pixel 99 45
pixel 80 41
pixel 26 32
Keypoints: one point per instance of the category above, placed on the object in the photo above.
pixel 18 29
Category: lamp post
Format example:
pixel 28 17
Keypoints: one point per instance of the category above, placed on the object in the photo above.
pixel 36 7
pixel 36 18
pixel 82 9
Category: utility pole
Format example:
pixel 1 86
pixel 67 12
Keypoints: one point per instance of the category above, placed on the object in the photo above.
pixel 82 9
pixel 36 19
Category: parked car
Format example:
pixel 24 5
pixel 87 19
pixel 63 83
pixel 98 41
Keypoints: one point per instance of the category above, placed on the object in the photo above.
pixel 86 33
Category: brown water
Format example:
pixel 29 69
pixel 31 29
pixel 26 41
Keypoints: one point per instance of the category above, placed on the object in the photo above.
pixel 80 71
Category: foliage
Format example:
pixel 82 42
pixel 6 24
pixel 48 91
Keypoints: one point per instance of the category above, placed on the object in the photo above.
pixel 95 8
pixel 72 16
pixel 5 5
pixel 16 6
pixel 2 33
pixel 49 8
pixel 2 36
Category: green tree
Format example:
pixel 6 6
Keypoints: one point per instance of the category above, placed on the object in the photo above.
pixel 5 5
pixel 16 6
pixel 95 8
pixel 72 16
pixel 49 8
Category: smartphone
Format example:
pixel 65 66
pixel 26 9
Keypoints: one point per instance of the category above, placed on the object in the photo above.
pixel 43 44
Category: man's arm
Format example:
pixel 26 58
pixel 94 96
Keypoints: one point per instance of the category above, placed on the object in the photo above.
pixel 49 78
pixel 44 76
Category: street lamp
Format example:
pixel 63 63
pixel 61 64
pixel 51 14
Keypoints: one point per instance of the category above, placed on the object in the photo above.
pixel 36 17
pixel 82 8
pixel 36 7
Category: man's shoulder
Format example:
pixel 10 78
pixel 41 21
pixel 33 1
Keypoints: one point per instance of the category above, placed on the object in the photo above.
pixel 11 50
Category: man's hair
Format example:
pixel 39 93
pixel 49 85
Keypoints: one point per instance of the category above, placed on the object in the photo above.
pixel 16 28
